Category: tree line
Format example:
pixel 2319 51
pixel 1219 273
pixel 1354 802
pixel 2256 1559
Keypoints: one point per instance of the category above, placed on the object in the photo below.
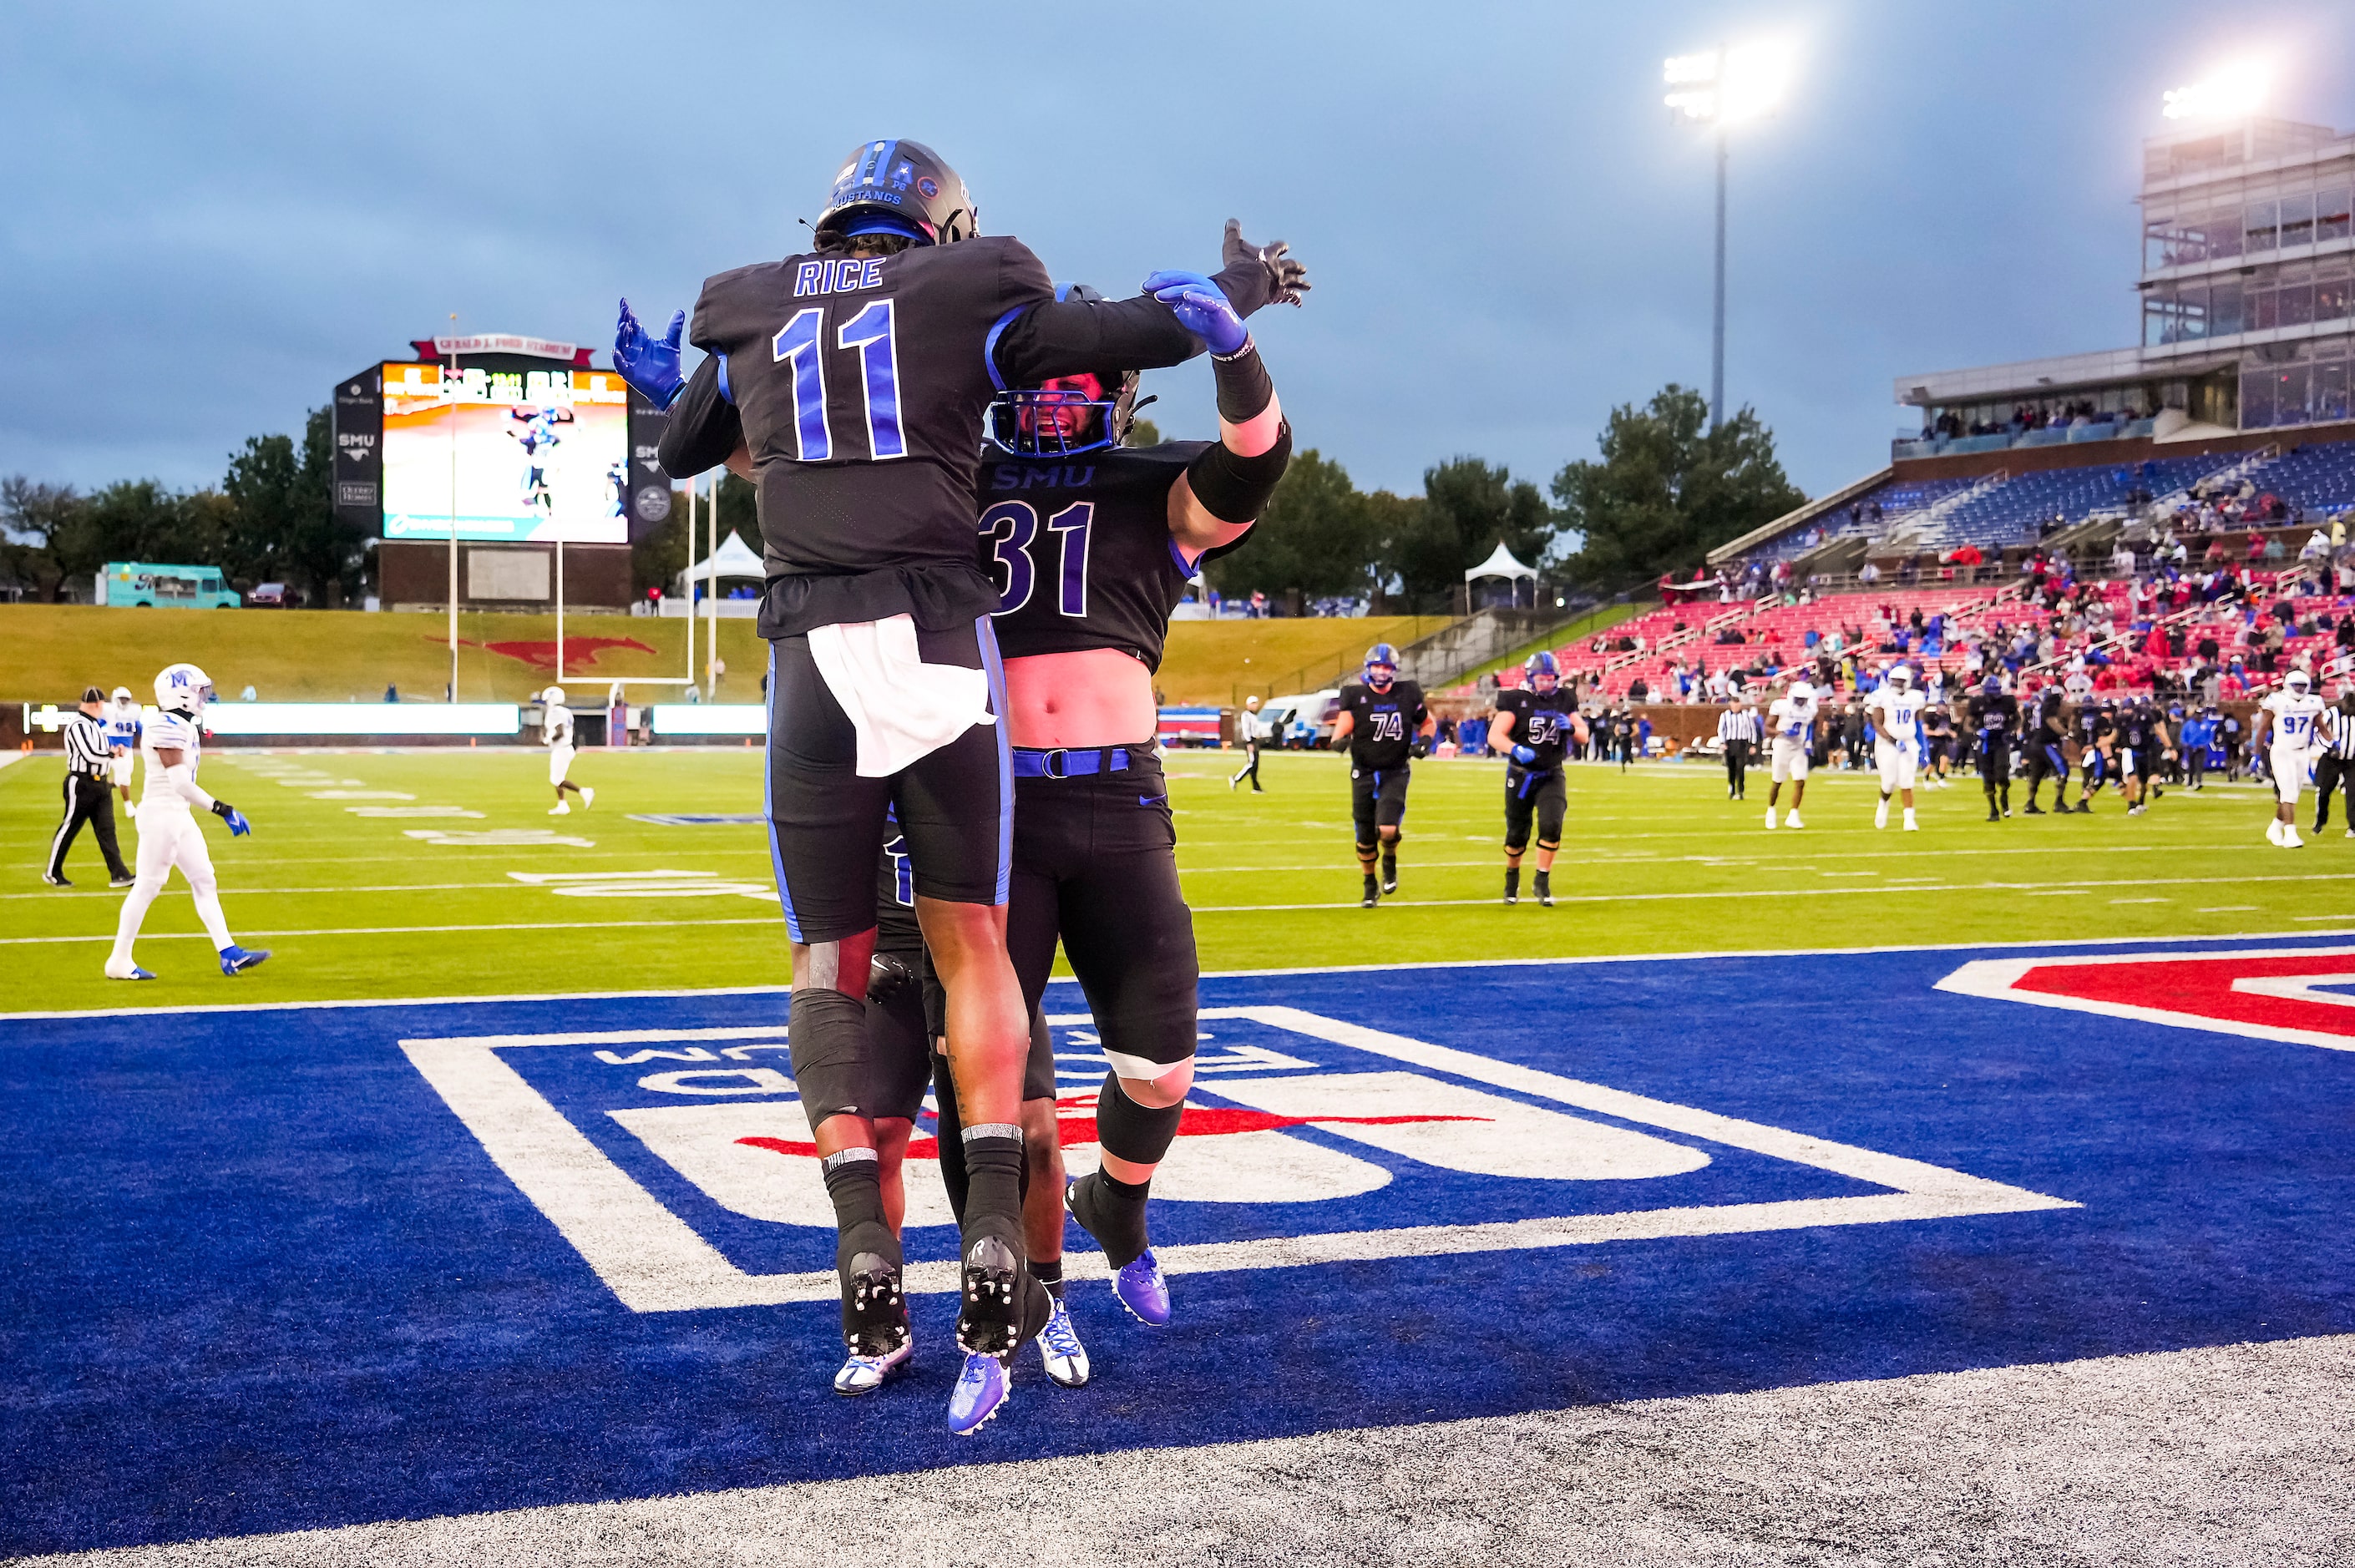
pixel 272 518
pixel 1663 491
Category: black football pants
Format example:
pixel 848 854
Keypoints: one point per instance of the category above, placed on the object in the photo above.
pixel 1095 864
pixel 91 800
pixel 2330 771
pixel 1737 766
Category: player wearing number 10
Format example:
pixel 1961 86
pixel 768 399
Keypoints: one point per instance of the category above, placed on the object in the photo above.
pixel 850 382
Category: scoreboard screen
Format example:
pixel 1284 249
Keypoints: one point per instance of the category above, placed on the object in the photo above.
pixel 512 454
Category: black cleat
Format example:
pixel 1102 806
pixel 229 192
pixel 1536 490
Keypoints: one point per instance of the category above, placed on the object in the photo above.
pixel 2034 809
pixel 1003 1305
pixel 874 1307
pixel 1544 890
pixel 2081 809
pixel 1994 815
pixel 1373 893
pixel 55 881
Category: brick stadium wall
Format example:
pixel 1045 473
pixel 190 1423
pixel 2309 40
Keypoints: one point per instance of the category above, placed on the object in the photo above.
pixel 411 573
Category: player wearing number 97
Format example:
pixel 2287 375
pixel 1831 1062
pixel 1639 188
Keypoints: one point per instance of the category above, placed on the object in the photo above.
pixel 1090 543
pixel 1382 721
pixel 850 382
pixel 1534 726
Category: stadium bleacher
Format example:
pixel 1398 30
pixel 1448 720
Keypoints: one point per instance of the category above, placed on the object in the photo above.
pixel 1998 510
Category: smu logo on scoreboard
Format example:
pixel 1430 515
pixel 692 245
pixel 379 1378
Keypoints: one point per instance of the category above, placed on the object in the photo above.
pixel 2301 996
pixel 678 1164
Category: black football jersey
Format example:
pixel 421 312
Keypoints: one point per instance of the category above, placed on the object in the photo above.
pixel 1995 717
pixel 1540 722
pixel 1382 725
pixel 1079 549
pixel 858 387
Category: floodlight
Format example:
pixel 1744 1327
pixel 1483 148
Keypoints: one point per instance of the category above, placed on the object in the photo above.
pixel 1727 86
pixel 2236 90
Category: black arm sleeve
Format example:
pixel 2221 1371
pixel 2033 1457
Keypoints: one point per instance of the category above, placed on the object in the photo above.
pixel 1234 489
pixel 1063 338
pixel 704 426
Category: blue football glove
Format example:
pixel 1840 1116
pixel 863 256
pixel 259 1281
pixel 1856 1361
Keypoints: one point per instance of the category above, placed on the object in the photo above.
pixel 649 364
pixel 1524 754
pixel 1200 307
pixel 238 826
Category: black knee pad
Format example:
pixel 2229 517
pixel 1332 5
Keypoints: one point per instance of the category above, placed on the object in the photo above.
pixel 1368 851
pixel 827 1033
pixel 1138 1134
pixel 1554 848
pixel 1515 846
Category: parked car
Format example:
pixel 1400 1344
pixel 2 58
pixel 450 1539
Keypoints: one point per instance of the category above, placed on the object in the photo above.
pixel 274 596
pixel 146 583
pixel 1302 720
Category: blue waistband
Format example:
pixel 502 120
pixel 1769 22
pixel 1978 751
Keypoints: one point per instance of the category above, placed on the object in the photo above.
pixel 1061 763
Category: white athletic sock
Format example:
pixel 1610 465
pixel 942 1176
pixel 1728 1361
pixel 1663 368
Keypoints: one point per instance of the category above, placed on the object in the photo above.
pixel 126 927
pixel 1881 815
pixel 208 910
pixel 1909 818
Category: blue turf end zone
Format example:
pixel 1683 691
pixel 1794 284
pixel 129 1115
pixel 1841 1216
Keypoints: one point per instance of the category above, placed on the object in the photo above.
pixel 260 1273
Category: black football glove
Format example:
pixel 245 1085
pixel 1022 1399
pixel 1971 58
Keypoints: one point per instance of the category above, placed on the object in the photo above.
pixel 887 977
pixel 1258 275
pixel 1419 745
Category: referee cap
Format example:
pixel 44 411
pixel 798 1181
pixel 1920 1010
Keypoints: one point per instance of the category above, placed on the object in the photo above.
pixel 93 694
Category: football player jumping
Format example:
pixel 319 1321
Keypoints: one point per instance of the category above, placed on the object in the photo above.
pixel 1382 721
pixel 172 748
pixel 852 379
pixel 1091 544
pixel 1533 728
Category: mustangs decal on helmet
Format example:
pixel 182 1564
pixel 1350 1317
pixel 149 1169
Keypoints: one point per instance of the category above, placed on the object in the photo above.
pixel 1381 656
pixel 896 186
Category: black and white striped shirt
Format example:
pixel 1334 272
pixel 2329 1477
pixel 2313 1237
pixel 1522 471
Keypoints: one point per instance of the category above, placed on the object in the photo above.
pixel 2342 732
pixel 86 749
pixel 1738 724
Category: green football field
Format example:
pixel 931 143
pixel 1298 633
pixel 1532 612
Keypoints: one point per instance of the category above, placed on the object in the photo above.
pixel 380 874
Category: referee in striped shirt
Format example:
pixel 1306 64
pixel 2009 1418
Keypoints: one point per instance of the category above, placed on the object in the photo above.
pixel 1738 730
pixel 89 798
pixel 2335 768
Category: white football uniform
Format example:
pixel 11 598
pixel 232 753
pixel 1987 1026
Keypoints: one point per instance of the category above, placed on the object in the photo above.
pixel 169 836
pixel 122 726
pixel 1788 720
pixel 2296 732
pixel 556 729
pixel 1894 747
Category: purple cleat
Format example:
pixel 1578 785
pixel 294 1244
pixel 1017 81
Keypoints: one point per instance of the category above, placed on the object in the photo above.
pixel 1143 1291
pixel 980 1393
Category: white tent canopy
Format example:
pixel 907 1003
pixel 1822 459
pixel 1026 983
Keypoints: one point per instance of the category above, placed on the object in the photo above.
pixel 1500 564
pixel 732 559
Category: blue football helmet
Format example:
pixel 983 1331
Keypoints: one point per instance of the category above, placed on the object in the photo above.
pixel 1539 666
pixel 1381 656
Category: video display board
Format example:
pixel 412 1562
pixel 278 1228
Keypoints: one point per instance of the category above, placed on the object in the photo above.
pixel 514 454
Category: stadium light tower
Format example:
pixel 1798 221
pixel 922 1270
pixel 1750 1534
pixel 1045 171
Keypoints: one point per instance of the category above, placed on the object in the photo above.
pixel 1720 88
pixel 2235 91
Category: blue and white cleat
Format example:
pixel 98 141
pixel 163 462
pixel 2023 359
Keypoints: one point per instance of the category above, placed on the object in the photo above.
pixel 237 960
pixel 865 1374
pixel 136 974
pixel 1065 1357
pixel 1143 1291
pixel 981 1392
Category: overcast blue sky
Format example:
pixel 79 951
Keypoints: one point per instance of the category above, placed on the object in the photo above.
pixel 213 212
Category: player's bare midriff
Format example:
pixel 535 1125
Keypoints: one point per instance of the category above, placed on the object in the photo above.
pixel 1096 696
